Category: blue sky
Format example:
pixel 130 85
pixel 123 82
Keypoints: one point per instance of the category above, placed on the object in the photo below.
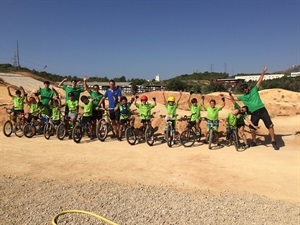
pixel 142 38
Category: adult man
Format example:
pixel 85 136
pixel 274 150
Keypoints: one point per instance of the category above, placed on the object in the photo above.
pixel 113 95
pixel 73 88
pixel 46 94
pixel 251 98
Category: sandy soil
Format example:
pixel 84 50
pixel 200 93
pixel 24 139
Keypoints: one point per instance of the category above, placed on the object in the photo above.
pixel 259 170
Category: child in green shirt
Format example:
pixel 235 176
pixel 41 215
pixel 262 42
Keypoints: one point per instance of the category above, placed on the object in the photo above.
pixel 171 107
pixel 195 109
pixel 125 114
pixel 55 106
pixel 18 100
pixel 213 117
pixel 87 117
pixel 144 109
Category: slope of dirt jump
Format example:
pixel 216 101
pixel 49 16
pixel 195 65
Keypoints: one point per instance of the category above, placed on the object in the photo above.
pixel 154 185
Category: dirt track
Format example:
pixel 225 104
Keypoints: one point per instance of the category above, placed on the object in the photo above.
pixel 260 170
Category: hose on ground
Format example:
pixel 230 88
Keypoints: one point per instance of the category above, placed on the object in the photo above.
pixel 54 220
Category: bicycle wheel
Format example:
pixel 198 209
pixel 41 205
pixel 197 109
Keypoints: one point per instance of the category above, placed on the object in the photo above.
pixel 149 135
pixel 235 140
pixel 19 127
pixel 61 131
pixel 7 128
pixel 102 129
pixel 29 130
pixel 77 133
pixel 48 130
pixel 169 136
pixel 187 138
pixel 210 138
pixel 130 136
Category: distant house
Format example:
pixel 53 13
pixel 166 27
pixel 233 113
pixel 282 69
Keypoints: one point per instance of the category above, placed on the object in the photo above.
pixel 233 82
pixel 126 87
pixel 295 74
pixel 256 77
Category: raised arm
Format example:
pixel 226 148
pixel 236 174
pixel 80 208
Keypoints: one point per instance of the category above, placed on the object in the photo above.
pixel 86 88
pixel 9 93
pixel 223 100
pixel 180 94
pixel 258 84
pixel 22 91
pixel 164 97
pixel 189 99
pixel 62 82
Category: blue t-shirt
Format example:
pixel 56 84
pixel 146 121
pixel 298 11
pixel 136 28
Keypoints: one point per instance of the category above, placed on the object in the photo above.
pixel 112 96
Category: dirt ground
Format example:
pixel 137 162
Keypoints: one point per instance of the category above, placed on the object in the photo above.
pixel 259 170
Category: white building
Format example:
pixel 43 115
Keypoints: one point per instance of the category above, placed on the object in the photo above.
pixel 295 74
pixel 157 77
pixel 256 77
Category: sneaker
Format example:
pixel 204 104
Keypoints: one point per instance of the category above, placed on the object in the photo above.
pixel 119 139
pixel 275 146
pixel 163 141
pixel 253 144
pixel 92 137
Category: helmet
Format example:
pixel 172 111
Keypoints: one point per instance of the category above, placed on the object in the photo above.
pixel 144 98
pixel 71 94
pixel 171 99
pixel 31 99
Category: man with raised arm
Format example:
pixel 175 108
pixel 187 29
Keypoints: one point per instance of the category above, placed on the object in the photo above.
pixel 251 98
pixel 73 88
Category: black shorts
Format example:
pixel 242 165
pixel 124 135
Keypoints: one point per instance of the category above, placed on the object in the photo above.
pixel 261 114
pixel 114 115
pixel 123 121
pixel 97 114
pixel 240 125
pixel 30 117
pixel 56 122
pixel 145 121
pixel 18 112
pixel 87 119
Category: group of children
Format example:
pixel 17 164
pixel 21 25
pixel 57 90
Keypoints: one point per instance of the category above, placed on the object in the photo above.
pixel 37 110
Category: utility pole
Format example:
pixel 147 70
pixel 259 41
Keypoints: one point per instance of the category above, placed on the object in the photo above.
pixel 225 67
pixel 211 67
pixel 18 58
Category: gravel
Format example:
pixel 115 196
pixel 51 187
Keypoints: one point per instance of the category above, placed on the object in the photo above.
pixel 27 201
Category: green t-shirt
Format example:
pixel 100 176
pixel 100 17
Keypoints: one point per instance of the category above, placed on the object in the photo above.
pixel 45 111
pixel 55 112
pixel 213 113
pixel 34 109
pixel 195 112
pixel 171 110
pixel 73 106
pixel 97 97
pixel 145 110
pixel 18 103
pixel 124 111
pixel 76 92
pixel 241 117
pixel 252 100
pixel 231 119
pixel 46 95
pixel 88 109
